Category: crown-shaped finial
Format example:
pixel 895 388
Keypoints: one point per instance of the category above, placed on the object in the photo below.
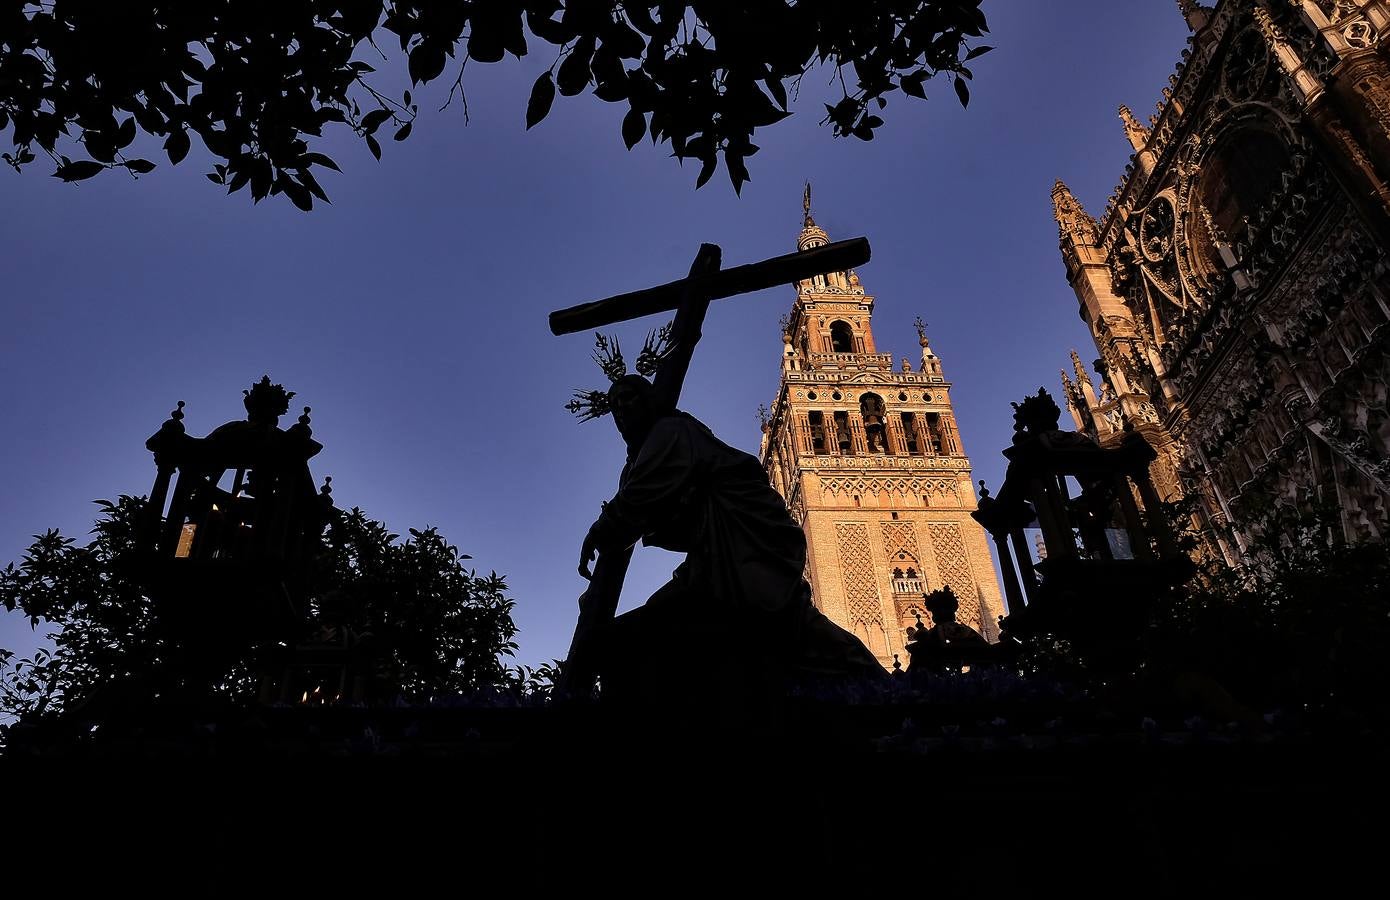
pixel 1036 414
pixel 265 402
pixel 657 347
pixel 609 357
pixel 589 405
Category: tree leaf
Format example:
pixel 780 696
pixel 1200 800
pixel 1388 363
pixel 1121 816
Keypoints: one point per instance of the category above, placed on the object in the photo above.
pixel 261 179
pixel 126 133
pixel 962 91
pixel 634 126
pixel 707 167
pixel 542 97
pixel 299 195
pixel 403 132
pixel 176 145
pixel 912 84
pixel 777 90
pixel 426 62
pixel 978 51
pixel 372 120
pixel 309 181
pixel 78 171
pixel 373 146
pixel 573 76
pixel 139 166
pixel 322 160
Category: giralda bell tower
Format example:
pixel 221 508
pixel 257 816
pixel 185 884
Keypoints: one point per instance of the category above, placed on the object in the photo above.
pixel 871 464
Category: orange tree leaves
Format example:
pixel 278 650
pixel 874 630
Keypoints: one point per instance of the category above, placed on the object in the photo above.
pixel 257 82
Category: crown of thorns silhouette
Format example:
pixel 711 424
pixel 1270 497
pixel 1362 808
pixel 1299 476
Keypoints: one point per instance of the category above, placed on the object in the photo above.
pixel 609 356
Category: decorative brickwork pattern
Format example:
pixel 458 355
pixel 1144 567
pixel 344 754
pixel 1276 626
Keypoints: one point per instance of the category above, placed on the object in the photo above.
pixel 909 487
pixel 900 536
pixel 953 565
pixel 857 570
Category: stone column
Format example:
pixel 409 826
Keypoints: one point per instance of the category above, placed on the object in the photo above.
pixel 892 440
pixel 924 441
pixel 950 434
pixel 803 430
pixel 858 439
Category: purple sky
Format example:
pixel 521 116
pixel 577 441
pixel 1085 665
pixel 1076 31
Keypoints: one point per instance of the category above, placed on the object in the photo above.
pixel 411 314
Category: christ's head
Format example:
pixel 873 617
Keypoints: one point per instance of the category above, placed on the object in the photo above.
pixel 633 402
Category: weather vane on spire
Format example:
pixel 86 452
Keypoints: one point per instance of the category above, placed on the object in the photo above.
pixel 806 205
pixel 921 329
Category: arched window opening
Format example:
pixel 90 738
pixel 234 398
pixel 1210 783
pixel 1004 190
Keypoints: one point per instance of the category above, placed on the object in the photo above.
pixel 842 433
pixel 905 579
pixel 818 442
pixel 871 409
pixel 841 337
pixel 909 421
pixel 1236 181
pixel 935 435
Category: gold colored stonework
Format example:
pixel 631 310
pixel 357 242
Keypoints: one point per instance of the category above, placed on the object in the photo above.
pixel 864 448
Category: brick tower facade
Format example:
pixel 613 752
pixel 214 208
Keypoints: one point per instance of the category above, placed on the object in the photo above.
pixel 870 462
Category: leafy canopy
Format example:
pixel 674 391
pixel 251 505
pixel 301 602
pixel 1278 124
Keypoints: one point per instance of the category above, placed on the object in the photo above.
pixel 441 628
pixel 258 81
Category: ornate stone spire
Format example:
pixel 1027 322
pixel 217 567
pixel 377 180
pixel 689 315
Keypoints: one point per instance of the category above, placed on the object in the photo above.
pixel 1085 390
pixel 931 363
pixel 1266 25
pixel 1307 86
pixel 1196 14
pixel 1073 222
pixel 1079 368
pixel 1137 132
pixel 1075 402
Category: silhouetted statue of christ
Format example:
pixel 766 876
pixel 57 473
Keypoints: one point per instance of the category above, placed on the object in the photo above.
pixel 685 490
pixel 738 603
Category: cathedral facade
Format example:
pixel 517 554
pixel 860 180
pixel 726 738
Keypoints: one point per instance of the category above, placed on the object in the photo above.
pixel 869 459
pixel 1237 285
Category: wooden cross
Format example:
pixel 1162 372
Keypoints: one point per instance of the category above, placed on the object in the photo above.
pixel 690 298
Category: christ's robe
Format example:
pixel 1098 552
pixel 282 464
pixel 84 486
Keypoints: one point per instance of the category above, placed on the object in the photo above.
pixel 687 491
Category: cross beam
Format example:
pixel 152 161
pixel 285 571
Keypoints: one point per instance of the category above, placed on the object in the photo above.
pixel 792 267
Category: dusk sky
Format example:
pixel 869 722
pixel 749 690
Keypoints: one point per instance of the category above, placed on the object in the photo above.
pixel 411 313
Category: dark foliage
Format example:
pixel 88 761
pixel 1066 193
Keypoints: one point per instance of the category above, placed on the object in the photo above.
pixel 441 628
pixel 1300 627
pixel 256 82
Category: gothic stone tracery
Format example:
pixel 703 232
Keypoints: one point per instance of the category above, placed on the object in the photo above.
pixel 1236 285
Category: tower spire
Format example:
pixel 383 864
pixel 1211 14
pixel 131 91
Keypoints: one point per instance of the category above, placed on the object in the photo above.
pixel 812 235
pixel 1073 223
pixel 1136 131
